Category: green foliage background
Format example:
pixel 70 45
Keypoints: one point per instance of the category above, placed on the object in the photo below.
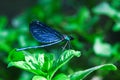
pixel 95 26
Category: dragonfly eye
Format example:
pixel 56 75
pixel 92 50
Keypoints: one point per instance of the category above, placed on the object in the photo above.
pixel 71 38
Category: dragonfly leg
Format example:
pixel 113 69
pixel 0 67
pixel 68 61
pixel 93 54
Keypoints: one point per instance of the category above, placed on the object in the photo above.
pixel 63 48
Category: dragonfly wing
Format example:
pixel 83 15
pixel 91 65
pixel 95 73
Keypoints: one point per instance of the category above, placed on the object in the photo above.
pixel 43 33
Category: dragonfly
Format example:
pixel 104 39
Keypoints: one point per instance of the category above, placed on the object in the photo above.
pixel 46 35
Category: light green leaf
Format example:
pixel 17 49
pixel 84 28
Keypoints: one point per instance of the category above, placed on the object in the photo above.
pixel 61 77
pixel 39 78
pixel 104 9
pixel 20 64
pixel 31 62
pixel 63 59
pixel 25 66
pixel 48 64
pixel 102 49
pixel 80 75
pixel 40 59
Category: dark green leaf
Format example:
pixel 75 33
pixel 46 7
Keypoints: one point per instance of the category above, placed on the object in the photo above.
pixel 3 22
pixel 80 75
pixel 116 27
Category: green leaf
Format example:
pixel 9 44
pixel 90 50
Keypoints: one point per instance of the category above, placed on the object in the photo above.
pixel 104 9
pixel 101 48
pixel 20 64
pixel 39 78
pixel 80 75
pixel 116 27
pixel 25 66
pixel 39 61
pixel 5 46
pixel 63 59
pixel 61 77
pixel 16 56
pixel 29 63
pixel 4 34
pixel 20 21
pixel 3 22
pixel 36 62
pixel 48 63
pixel 82 15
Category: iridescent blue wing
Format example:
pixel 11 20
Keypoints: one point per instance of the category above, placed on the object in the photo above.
pixel 43 33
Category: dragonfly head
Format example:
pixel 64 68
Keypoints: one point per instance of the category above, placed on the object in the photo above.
pixel 68 38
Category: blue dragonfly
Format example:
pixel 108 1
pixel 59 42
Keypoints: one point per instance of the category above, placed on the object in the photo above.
pixel 46 35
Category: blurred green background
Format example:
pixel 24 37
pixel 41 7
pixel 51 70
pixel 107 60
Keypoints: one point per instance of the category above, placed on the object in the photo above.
pixel 94 24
